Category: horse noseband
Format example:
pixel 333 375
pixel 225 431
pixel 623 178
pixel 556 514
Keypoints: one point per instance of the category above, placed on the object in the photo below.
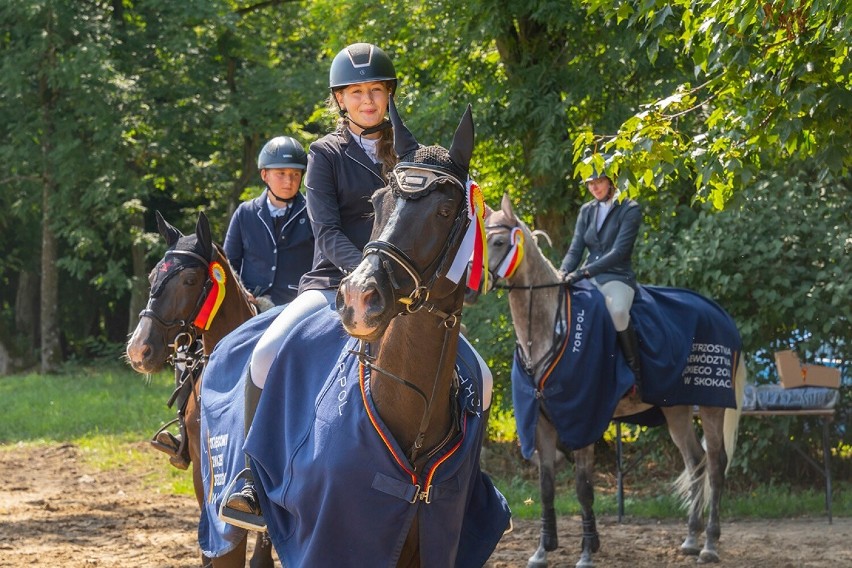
pixel 390 252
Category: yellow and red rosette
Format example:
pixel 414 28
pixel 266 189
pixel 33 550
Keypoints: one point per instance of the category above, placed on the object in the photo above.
pixel 214 297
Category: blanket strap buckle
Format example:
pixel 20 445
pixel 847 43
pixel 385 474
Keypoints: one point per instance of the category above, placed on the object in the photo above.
pixel 425 496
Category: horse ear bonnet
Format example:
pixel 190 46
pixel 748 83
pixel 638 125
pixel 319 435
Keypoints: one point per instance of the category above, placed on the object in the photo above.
pixel 420 168
pixel 172 264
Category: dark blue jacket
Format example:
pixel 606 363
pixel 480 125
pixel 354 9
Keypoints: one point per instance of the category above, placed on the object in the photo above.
pixel 611 248
pixel 270 264
pixel 340 180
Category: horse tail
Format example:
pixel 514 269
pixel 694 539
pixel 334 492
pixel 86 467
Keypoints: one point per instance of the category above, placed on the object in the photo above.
pixel 732 415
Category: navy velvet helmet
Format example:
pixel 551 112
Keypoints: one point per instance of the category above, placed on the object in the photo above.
pixel 282 152
pixel 361 63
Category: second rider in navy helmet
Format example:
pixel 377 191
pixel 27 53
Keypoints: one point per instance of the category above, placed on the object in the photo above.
pixel 607 227
pixel 269 241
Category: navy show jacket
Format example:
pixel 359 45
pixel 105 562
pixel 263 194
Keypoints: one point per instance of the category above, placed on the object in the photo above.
pixel 340 180
pixel 611 248
pixel 270 264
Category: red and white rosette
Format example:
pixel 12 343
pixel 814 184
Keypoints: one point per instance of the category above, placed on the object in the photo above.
pixel 473 247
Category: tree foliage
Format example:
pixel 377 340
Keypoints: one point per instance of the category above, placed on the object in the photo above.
pixel 771 84
pixel 727 120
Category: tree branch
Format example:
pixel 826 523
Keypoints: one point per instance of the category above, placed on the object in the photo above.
pixel 262 5
pixel 20 178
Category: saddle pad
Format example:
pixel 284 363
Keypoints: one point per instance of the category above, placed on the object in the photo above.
pixel 776 397
pixel 689 350
pixel 222 428
pixel 337 489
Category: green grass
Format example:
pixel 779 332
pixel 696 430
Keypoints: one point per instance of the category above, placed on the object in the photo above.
pixel 656 501
pixel 110 413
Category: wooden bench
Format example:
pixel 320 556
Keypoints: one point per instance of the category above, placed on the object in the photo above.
pixel 825 415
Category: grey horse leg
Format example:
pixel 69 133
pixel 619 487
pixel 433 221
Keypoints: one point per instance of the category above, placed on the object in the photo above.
pixel 262 556
pixel 584 471
pixel 717 462
pixel 545 441
pixel 690 484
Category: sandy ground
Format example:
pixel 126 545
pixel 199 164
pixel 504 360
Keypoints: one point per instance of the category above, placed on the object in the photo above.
pixel 55 511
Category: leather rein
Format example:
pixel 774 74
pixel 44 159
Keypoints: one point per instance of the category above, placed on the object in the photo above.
pixel 390 255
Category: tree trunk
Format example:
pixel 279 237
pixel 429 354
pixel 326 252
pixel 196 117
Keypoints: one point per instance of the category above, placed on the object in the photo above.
pixel 139 280
pixel 26 308
pixel 51 352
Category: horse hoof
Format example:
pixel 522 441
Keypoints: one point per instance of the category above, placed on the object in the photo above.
pixel 538 560
pixel 708 557
pixel 585 563
pixel 690 547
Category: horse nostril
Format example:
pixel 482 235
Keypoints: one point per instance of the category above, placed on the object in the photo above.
pixel 373 301
pixel 339 300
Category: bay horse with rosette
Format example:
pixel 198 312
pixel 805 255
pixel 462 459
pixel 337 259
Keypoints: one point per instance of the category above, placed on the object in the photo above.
pixel 194 293
pixel 537 297
pixel 366 441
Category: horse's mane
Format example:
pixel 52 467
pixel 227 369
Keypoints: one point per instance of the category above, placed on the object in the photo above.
pixel 221 252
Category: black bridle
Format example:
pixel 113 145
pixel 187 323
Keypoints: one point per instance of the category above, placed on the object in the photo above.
pixel 389 255
pixel 187 333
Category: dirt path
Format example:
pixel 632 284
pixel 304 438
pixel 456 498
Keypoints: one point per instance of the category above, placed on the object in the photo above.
pixel 55 511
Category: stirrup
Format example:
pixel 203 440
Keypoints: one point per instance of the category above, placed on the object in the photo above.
pixel 167 442
pixel 240 519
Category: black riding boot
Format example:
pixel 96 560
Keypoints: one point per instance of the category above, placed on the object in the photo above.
pixel 246 500
pixel 630 348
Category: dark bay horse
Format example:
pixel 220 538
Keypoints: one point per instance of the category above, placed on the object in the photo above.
pixel 376 409
pixel 194 292
pixel 535 301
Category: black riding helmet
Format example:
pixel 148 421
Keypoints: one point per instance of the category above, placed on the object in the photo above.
pixel 282 152
pixel 361 63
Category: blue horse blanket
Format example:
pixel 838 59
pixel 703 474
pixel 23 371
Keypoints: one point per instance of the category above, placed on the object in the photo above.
pixel 336 489
pixel 222 428
pixel 689 346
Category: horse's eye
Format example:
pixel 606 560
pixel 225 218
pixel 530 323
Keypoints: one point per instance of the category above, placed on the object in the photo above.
pixel 191 280
pixel 499 242
pixel 445 210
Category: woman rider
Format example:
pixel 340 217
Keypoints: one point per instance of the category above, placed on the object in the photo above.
pixel 607 226
pixel 345 168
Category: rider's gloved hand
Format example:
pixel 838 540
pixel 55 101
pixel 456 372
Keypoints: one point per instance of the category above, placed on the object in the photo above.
pixel 572 277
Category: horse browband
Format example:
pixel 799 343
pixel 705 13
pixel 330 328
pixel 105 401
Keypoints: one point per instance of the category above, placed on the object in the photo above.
pixel 508 286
